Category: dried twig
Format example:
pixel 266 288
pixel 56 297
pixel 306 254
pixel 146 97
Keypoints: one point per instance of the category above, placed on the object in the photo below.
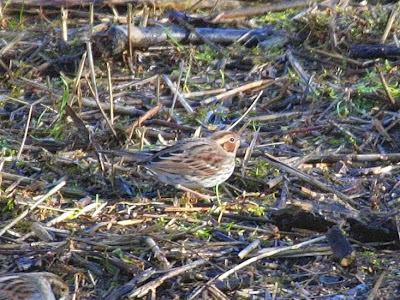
pixel 386 87
pixel 264 83
pixel 377 285
pixel 39 201
pixel 262 9
pixel 174 90
pixel 390 22
pixel 277 164
pixel 268 254
pixel 251 107
pixel 391 157
pixel 158 253
pixel 149 114
pixel 253 245
pixel 96 94
pixel 152 285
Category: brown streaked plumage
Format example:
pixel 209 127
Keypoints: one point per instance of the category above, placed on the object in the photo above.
pixel 32 286
pixel 196 162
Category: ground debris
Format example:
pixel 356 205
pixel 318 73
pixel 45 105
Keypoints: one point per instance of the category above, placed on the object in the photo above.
pixel 317 175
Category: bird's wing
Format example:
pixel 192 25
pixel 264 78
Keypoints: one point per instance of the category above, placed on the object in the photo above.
pixel 195 157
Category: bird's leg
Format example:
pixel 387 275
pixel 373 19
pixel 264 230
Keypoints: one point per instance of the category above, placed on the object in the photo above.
pixel 217 194
pixel 197 194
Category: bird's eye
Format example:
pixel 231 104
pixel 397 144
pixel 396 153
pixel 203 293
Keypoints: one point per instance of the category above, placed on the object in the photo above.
pixel 232 140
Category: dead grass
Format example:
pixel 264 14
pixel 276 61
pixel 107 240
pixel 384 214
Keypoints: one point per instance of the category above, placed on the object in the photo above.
pixel 104 225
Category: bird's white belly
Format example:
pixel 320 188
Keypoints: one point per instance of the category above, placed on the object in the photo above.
pixel 193 181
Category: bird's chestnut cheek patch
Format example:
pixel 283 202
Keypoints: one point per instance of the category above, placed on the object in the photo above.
pixel 229 146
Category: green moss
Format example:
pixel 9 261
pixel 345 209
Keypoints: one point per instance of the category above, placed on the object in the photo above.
pixel 16 91
pixel 203 233
pixel 335 142
pixel 261 169
pixel 368 84
pixel 161 222
pixel 5 150
pixel 200 114
pixel 364 106
pixel 371 257
pixel 7 205
pixel 280 19
pixel 23 226
pixel 228 226
pixel 257 210
pixel 205 54
pixel 257 51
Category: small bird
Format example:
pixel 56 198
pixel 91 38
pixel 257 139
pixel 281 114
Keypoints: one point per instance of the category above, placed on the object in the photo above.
pixel 32 286
pixel 195 163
